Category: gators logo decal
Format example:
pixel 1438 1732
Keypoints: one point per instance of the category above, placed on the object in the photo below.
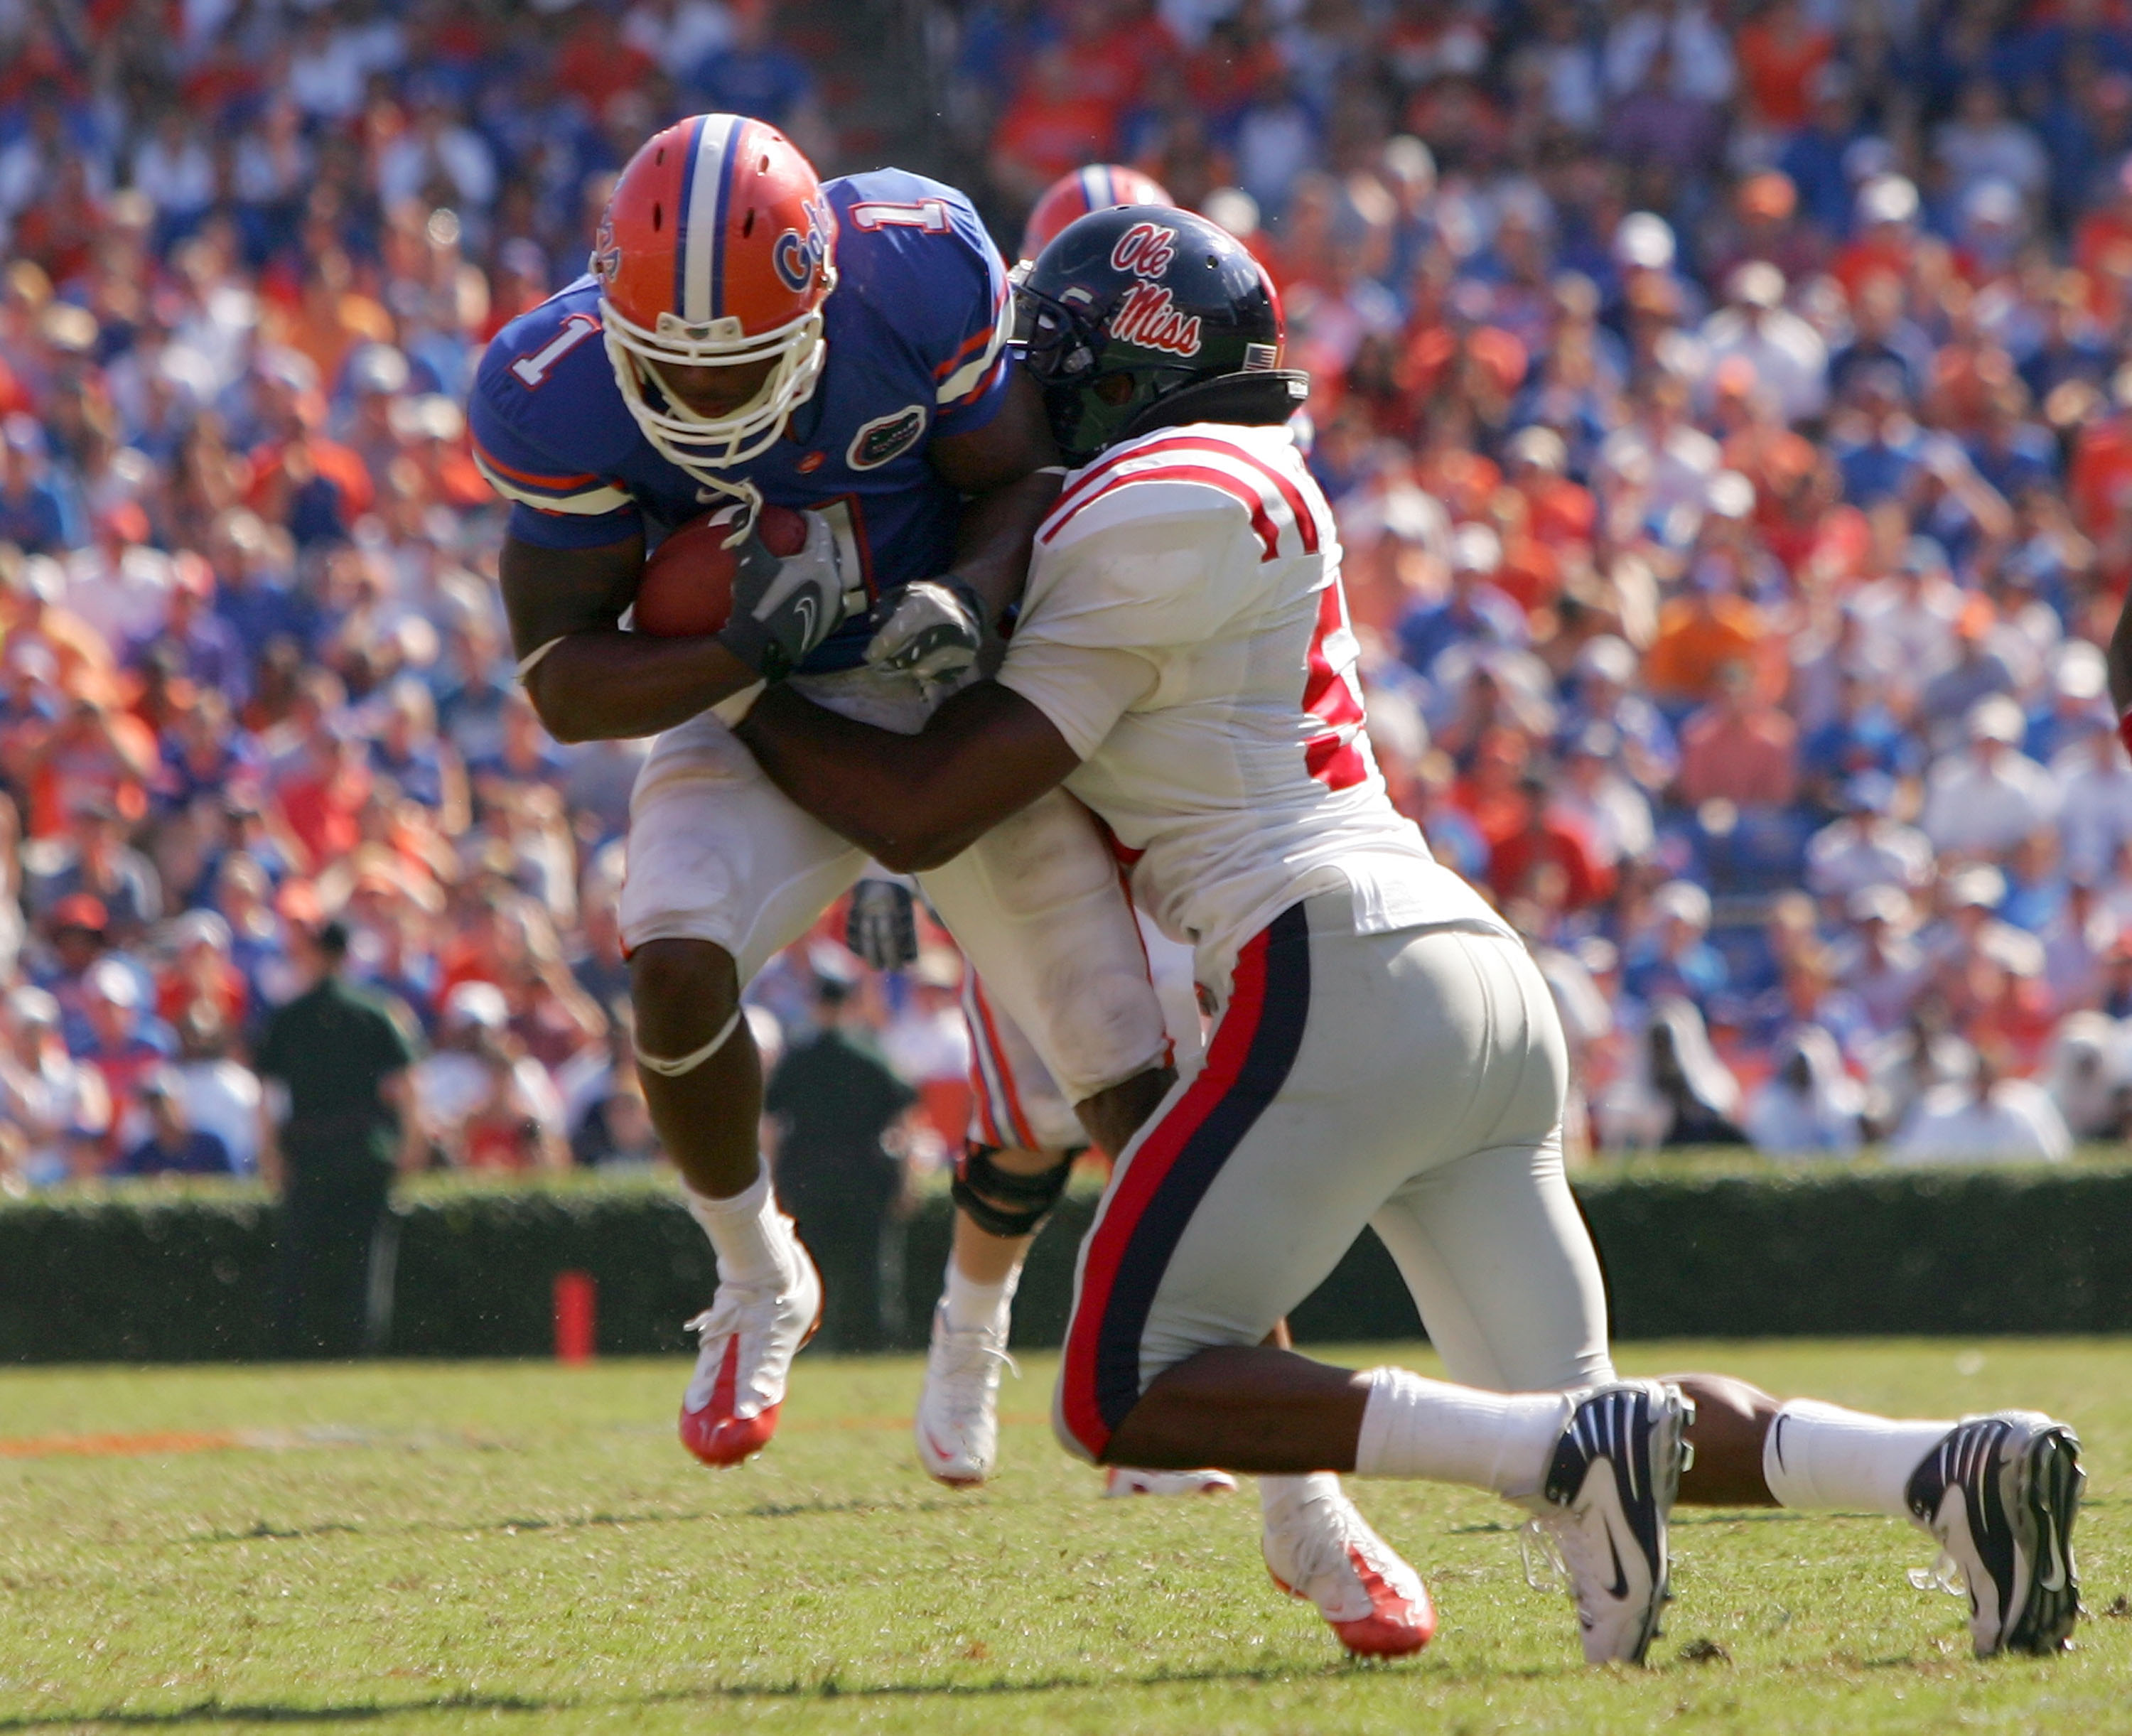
pixel 886 437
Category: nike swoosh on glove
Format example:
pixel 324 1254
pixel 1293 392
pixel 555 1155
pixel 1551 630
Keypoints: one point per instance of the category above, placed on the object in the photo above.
pixel 783 609
pixel 882 925
pixel 934 634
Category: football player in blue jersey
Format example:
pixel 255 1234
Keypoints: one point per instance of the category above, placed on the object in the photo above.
pixel 750 334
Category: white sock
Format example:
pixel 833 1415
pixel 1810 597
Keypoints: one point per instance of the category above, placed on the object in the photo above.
pixel 1819 1455
pixel 747 1232
pixel 1280 1497
pixel 1502 1442
pixel 970 1305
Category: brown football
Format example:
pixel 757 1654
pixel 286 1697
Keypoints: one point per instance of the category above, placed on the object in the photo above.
pixel 687 585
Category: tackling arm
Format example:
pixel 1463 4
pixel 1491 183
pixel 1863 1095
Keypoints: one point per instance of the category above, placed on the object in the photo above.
pixel 595 682
pixel 913 801
pixel 1011 471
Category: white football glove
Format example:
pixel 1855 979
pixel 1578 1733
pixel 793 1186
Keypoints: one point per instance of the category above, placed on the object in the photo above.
pixel 783 609
pixel 934 632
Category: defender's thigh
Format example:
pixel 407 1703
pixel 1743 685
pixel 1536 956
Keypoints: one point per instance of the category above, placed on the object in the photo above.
pixel 1252 1179
pixel 1502 1270
pixel 1037 905
pixel 1490 1243
pixel 717 854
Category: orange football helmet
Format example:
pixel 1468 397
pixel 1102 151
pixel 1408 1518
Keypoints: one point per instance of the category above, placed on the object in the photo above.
pixel 717 249
pixel 1097 188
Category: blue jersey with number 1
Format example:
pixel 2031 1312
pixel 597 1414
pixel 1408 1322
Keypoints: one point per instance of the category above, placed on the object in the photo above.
pixel 916 332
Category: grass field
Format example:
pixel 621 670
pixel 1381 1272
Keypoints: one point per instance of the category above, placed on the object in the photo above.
pixel 430 1548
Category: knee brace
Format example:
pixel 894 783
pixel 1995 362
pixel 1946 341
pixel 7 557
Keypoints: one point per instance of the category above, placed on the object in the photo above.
pixel 1029 1198
pixel 694 1058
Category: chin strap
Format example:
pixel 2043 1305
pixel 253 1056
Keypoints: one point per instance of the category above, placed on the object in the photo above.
pixel 694 1058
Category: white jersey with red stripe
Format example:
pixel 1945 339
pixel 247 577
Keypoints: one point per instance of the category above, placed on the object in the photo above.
pixel 1185 631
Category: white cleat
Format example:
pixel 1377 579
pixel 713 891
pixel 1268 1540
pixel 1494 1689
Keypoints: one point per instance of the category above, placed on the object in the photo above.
pixel 2000 1494
pixel 1609 1490
pixel 957 1427
pixel 1318 1548
pixel 746 1340
pixel 1122 1480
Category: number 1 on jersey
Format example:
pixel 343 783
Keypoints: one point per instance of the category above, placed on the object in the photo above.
pixel 929 214
pixel 533 369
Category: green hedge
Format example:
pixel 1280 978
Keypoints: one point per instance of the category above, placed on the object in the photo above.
pixel 150 1276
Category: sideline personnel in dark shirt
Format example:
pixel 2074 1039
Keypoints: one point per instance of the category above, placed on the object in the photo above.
pixel 834 1100
pixel 343 1063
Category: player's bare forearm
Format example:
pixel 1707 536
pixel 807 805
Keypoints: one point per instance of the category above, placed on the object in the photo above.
pixel 603 684
pixel 595 682
pixel 1009 471
pixel 913 801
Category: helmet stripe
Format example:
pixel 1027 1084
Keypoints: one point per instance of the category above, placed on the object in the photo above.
pixel 728 161
pixel 1096 186
pixel 684 284
pixel 702 252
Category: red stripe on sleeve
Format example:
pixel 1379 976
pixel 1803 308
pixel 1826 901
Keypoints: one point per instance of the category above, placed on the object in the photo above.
pixel 1269 533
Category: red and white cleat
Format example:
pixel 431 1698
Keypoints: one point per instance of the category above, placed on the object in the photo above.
pixel 1317 1546
pixel 1122 1479
pixel 746 1340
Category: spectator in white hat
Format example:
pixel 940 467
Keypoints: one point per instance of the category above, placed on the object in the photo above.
pixel 125 1042
pixel 2085 1074
pixel 1475 611
pixel 477 1073
pixel 1809 1107
pixel 172 1145
pixel 56 1108
pixel 1878 962
pixel 1604 674
pixel 1674 957
pixel 1788 357
pixel 1866 847
pixel 1984 798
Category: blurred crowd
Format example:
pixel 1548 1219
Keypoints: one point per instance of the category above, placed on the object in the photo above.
pixel 1726 408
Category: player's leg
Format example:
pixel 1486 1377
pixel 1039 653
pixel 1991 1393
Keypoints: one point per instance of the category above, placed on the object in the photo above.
pixel 1999 1494
pixel 722 872
pixel 1014 1166
pixel 1022 1138
pixel 1344 1067
pixel 1037 906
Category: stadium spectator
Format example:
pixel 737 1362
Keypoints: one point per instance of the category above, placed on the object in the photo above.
pixel 1810 1106
pixel 1990 1117
pixel 1983 800
pixel 1643 345
pixel 173 1145
pixel 56 1108
pixel 1675 1092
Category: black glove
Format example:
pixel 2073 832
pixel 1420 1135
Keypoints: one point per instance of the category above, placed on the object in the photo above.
pixel 783 609
pixel 882 926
